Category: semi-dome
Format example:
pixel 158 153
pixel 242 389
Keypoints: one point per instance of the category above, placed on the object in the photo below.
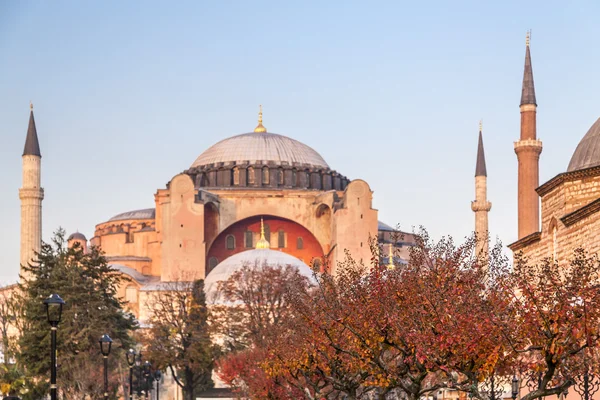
pixel 255 257
pixel 261 146
pixel 587 153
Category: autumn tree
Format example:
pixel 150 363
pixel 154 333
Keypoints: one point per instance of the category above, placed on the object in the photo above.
pixel 250 311
pixel 179 337
pixel 89 287
pixel 554 320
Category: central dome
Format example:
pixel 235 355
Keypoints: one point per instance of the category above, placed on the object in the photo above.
pixel 587 153
pixel 256 147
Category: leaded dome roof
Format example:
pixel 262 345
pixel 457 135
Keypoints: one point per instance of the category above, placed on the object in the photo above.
pixel 255 257
pixel 587 153
pixel 257 147
pixel 147 213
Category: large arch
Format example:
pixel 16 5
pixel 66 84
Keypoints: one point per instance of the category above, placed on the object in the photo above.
pixel 284 234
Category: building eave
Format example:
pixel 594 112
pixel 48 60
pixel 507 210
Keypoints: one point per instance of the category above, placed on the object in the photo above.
pixel 567 176
pixel 525 241
pixel 581 213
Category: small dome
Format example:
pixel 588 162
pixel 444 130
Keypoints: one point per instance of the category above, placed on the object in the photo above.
pixel 77 236
pixel 587 153
pixel 261 146
pixel 147 213
pixel 236 262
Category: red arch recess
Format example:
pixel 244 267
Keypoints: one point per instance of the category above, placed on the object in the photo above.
pixel 311 247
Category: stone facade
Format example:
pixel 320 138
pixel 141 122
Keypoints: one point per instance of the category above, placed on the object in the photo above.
pixel 570 218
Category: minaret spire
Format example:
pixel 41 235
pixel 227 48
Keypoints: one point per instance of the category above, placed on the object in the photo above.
pixel 528 89
pixel 528 149
pixel 31 195
pixel 480 169
pixel 481 206
pixel 32 145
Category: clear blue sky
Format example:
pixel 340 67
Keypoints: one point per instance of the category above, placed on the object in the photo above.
pixel 128 94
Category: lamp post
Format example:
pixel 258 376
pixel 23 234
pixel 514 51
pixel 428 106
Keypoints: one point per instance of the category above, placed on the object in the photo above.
pixel 130 361
pixel 514 387
pixel 138 364
pixel 157 376
pixel 147 367
pixel 54 305
pixel 105 345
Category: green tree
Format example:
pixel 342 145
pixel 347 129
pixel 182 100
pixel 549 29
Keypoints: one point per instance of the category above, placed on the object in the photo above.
pixel 179 337
pixel 89 287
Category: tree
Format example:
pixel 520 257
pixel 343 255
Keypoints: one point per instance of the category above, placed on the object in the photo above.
pixel 89 287
pixel 553 321
pixel 251 311
pixel 179 336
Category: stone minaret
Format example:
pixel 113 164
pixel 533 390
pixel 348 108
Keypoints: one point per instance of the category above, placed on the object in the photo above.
pixel 31 195
pixel 528 150
pixel 481 206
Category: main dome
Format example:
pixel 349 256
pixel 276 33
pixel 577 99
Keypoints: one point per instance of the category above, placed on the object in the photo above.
pixel 587 153
pixel 256 147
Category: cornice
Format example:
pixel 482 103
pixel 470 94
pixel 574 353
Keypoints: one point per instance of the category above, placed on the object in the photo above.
pixel 525 241
pixel 581 213
pixel 567 176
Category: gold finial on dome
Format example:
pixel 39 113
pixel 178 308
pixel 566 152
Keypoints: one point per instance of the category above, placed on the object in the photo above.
pixel 260 127
pixel 262 242
pixel 528 38
pixel 391 257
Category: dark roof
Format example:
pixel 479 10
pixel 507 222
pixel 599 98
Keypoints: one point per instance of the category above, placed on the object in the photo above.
pixel 587 153
pixel 147 213
pixel 77 236
pixel 480 169
pixel 528 91
pixel 32 146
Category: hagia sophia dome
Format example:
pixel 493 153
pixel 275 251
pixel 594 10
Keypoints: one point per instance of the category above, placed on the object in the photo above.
pixel 261 146
pixel 587 153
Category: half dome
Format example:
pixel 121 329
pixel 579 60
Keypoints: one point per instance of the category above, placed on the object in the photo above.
pixel 587 153
pixel 255 257
pixel 256 147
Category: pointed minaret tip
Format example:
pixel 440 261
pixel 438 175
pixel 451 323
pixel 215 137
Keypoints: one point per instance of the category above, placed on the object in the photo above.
pixel 480 168
pixel 528 90
pixel 32 145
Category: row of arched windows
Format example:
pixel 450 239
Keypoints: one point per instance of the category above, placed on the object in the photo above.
pixel 230 243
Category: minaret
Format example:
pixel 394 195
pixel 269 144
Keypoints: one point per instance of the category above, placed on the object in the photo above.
pixel 31 195
pixel 528 150
pixel 481 206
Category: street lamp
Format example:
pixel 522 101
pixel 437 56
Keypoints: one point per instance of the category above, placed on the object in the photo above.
pixel 138 364
pixel 130 361
pixel 105 345
pixel 515 387
pixel 147 367
pixel 54 305
pixel 157 376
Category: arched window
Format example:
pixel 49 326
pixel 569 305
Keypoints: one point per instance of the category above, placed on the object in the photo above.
pixel 299 243
pixel 250 172
pixel 230 242
pixel 281 239
pixel 212 262
pixel 236 176
pixel 268 233
pixel 553 230
pixel 248 239
pixel 131 294
pixel 265 177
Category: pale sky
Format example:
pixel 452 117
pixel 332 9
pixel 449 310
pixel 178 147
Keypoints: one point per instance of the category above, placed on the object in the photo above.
pixel 128 94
